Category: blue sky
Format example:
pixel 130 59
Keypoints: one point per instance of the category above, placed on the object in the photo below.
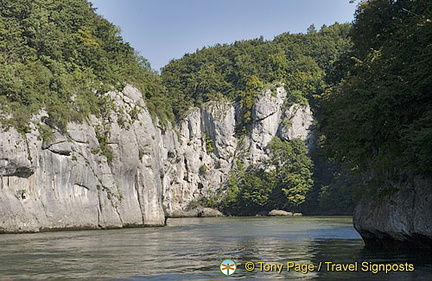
pixel 161 30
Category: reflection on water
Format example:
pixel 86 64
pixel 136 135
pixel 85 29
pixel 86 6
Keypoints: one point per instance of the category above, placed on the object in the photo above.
pixel 192 249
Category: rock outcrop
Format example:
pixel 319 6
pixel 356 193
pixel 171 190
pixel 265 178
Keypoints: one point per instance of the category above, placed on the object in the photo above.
pixel 400 219
pixel 279 213
pixel 272 117
pixel 202 156
pixel 125 170
pixel 208 147
pixel 76 181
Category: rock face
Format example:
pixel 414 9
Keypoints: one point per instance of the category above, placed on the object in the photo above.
pixel 271 117
pixel 208 148
pixel 398 220
pixel 69 183
pixel 201 158
pixel 125 170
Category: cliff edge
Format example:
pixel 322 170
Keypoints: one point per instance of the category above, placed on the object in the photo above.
pixel 401 219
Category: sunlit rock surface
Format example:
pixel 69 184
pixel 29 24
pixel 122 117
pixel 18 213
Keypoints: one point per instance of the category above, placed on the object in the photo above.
pixel 126 170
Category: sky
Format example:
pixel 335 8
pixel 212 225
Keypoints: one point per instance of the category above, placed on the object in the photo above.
pixel 162 30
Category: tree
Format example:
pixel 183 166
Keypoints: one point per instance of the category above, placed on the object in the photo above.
pixel 239 70
pixel 377 117
pixel 61 56
pixel 291 169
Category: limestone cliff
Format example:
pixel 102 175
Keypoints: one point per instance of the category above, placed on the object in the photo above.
pixel 397 219
pixel 125 170
pixel 70 182
pixel 208 147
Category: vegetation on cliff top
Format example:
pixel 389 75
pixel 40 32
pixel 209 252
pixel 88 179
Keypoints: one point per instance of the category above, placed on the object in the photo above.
pixel 62 56
pixel 240 71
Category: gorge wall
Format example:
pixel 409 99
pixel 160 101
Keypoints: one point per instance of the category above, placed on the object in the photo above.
pixel 126 170
pixel 68 181
pixel 401 219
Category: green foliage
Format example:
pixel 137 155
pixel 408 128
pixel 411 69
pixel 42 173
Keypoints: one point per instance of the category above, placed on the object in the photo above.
pixel 378 113
pixel 284 183
pixel 335 200
pixel 292 172
pixel 212 201
pixel 241 70
pixel 46 133
pixel 232 193
pixel 134 113
pixel 209 144
pixel 203 170
pixel 193 204
pixel 335 191
pixel 61 56
pixel 105 149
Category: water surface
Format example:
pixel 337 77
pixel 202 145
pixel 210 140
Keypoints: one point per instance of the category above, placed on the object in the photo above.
pixel 193 248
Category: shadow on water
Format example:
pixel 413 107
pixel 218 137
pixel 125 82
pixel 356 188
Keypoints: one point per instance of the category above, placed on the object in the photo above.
pixel 370 263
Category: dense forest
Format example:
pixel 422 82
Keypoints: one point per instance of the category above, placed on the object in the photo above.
pixel 368 83
pixel 378 110
pixel 240 70
pixel 61 56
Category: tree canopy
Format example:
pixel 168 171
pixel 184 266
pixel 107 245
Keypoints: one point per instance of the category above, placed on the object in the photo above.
pixel 378 113
pixel 240 70
pixel 283 184
pixel 62 56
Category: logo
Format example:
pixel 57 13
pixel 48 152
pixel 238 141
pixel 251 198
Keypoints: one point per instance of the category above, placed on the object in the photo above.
pixel 228 267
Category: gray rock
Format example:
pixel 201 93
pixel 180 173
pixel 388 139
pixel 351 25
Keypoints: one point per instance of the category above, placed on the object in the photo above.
pixel 279 213
pixel 209 212
pixel 271 118
pixel 297 122
pixel 399 219
pixel 62 148
pixel 71 184
pixel 145 174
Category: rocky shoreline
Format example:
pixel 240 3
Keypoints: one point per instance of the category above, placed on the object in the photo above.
pixel 397 220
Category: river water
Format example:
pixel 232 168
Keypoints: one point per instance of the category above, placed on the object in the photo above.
pixel 193 249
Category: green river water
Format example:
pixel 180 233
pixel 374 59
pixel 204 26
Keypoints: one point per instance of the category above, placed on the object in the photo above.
pixel 193 249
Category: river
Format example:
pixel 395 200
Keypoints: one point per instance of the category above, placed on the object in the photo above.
pixel 193 249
